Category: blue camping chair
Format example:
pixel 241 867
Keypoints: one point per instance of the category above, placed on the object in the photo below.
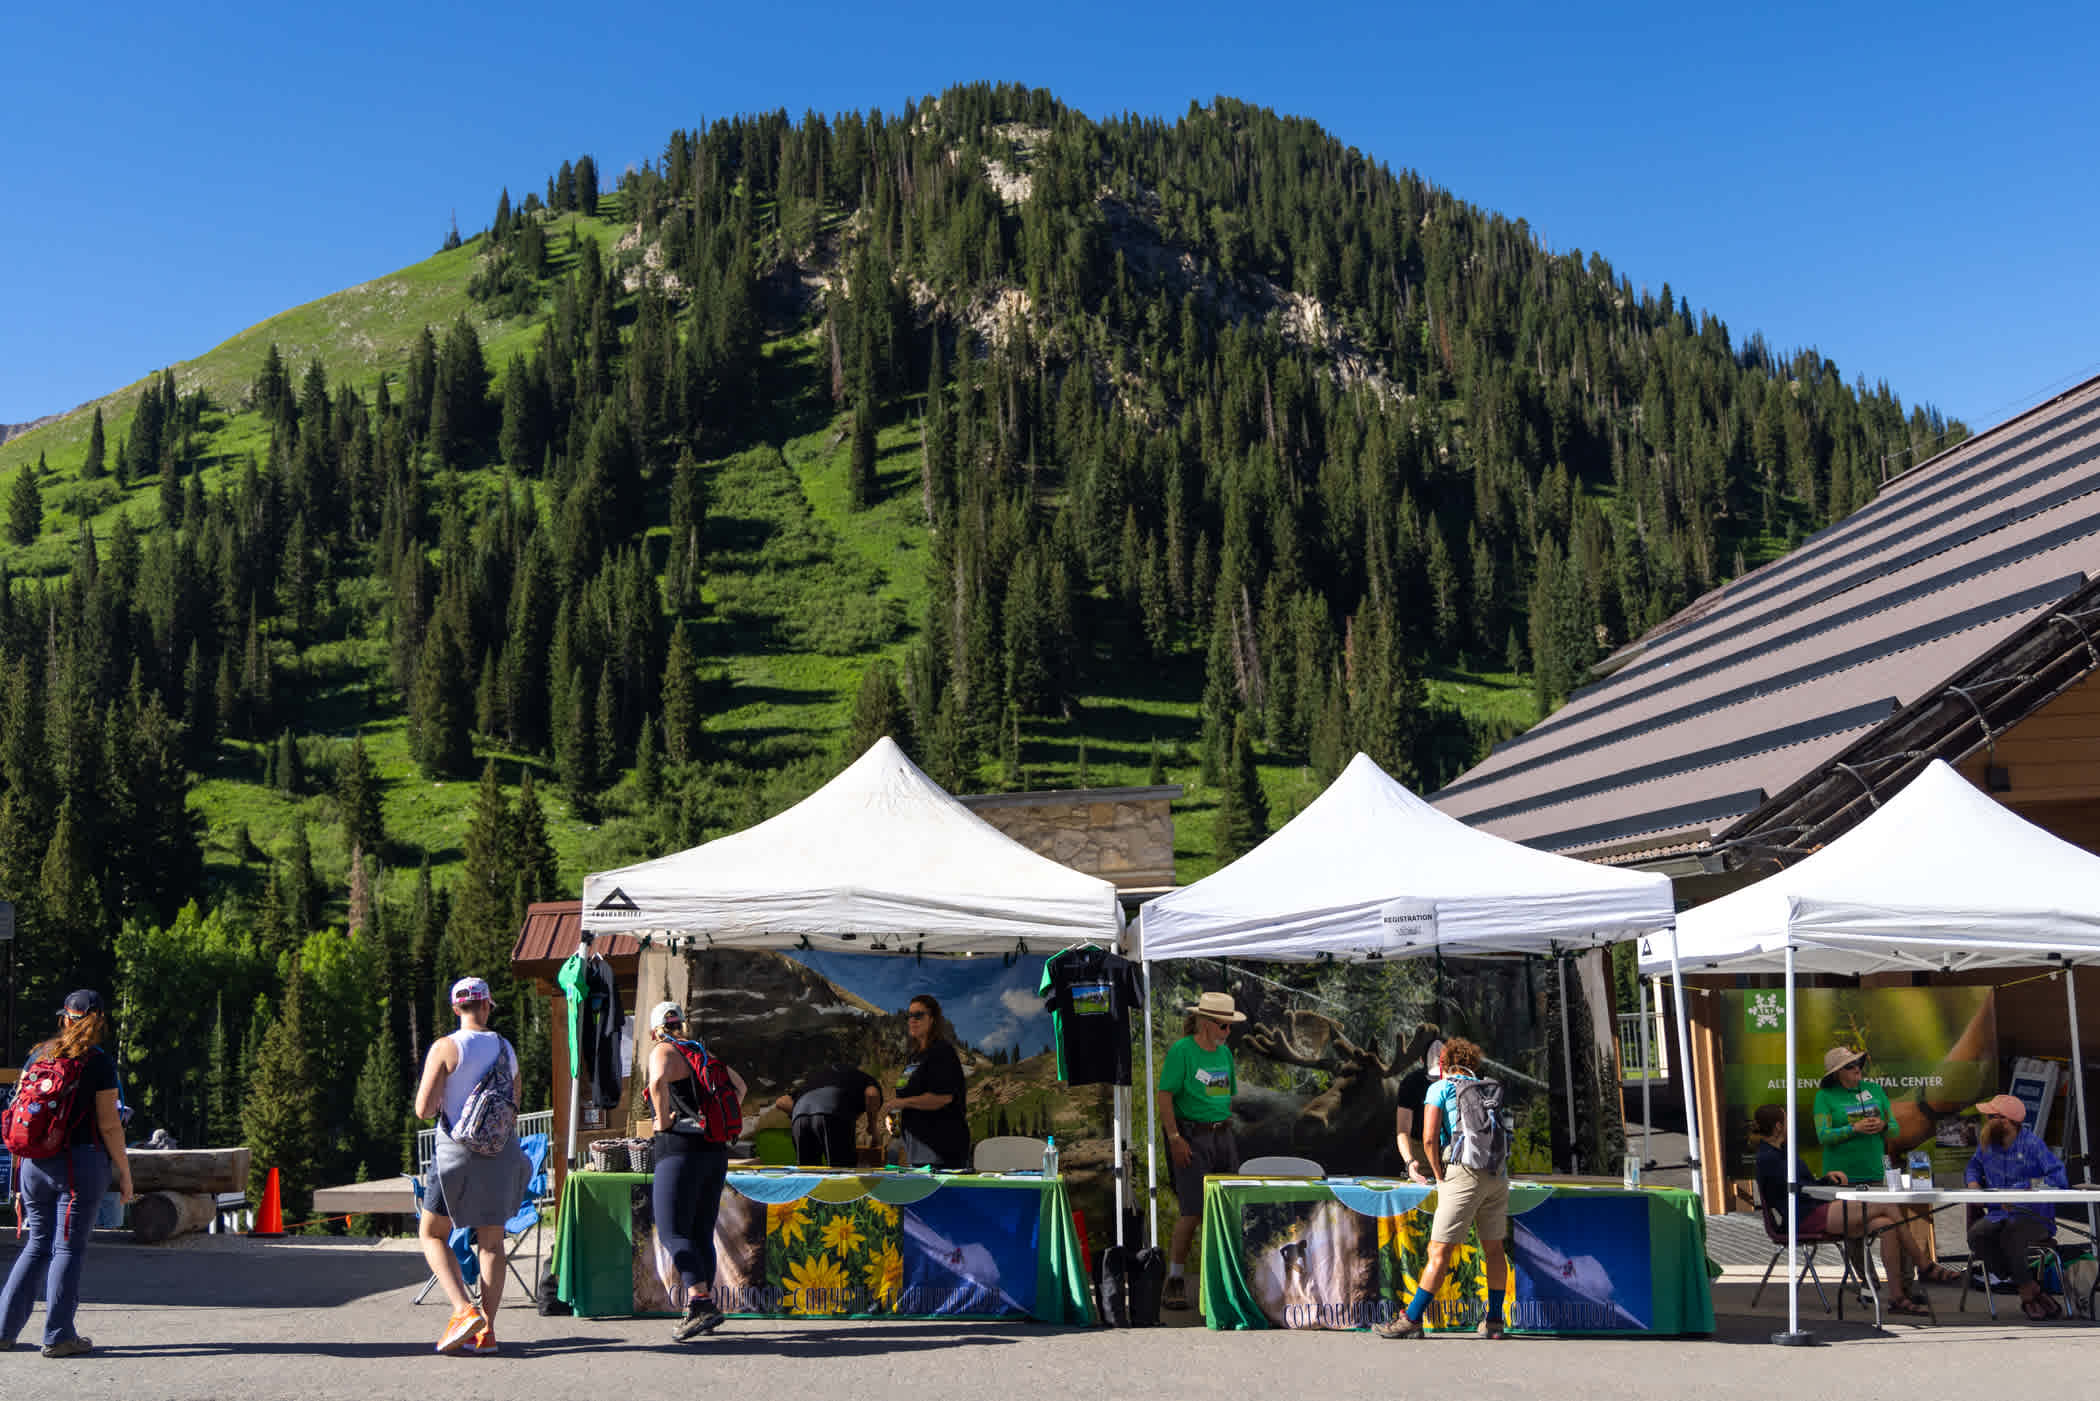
pixel 523 1222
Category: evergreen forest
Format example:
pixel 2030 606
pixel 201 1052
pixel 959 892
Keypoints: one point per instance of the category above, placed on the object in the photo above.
pixel 1066 450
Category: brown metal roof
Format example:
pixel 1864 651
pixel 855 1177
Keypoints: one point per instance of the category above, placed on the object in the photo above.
pixel 550 933
pixel 1766 680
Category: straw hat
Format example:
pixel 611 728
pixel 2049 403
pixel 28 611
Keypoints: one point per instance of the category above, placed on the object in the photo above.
pixel 1837 1058
pixel 1218 1006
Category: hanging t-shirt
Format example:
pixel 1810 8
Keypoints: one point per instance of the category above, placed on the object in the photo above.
pixel 1092 993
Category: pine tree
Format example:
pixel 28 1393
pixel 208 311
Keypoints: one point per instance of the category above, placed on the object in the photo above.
pixel 1243 810
pixel 290 774
pixel 441 707
pixel 357 792
pixel 91 466
pixel 277 1117
pixel 532 854
pixel 480 926
pixel 25 507
pixel 222 1122
pixel 648 767
pixel 680 701
pixel 878 710
pixel 380 1103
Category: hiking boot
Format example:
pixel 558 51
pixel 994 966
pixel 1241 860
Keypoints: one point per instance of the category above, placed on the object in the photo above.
pixel 70 1347
pixel 463 1325
pixel 701 1316
pixel 1176 1295
pixel 1491 1328
pixel 1400 1326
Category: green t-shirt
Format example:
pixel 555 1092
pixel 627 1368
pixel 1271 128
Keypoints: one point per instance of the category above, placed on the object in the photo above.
pixel 1202 1082
pixel 1861 1157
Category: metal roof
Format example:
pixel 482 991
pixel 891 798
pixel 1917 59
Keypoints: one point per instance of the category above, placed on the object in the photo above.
pixel 1759 686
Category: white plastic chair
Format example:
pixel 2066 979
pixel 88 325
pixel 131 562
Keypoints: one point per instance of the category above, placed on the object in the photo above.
pixel 1282 1165
pixel 1012 1153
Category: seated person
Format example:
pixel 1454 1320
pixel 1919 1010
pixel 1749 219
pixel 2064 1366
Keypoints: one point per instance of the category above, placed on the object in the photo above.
pixel 822 1111
pixel 2010 1155
pixel 1822 1218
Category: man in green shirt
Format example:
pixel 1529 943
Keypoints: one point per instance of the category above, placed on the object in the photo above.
pixel 1194 1095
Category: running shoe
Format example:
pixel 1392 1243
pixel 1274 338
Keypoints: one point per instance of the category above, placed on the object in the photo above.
pixel 70 1347
pixel 1400 1326
pixel 1177 1293
pixel 483 1343
pixel 464 1324
pixel 701 1317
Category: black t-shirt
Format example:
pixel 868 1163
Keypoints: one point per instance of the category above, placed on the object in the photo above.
pixel 1771 1176
pixel 1414 1088
pixel 98 1072
pixel 943 1133
pixel 1091 994
pixel 837 1091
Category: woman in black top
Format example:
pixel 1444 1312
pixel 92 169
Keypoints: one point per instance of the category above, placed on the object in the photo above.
pixel 930 1093
pixel 1814 1218
pixel 686 1188
pixel 63 1193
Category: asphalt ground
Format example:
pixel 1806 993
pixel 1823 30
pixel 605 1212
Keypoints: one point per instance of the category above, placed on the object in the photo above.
pixel 233 1318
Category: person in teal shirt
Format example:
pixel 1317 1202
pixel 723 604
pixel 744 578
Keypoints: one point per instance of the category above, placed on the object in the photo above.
pixel 1194 1096
pixel 1852 1117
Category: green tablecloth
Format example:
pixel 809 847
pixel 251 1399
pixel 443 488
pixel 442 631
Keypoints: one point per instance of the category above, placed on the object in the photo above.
pixel 835 1245
pixel 1346 1254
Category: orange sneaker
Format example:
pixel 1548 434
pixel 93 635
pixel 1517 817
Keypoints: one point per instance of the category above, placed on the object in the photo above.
pixel 483 1343
pixel 464 1324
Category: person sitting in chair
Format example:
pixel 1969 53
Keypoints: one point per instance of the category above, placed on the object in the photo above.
pixel 1814 1218
pixel 2011 1156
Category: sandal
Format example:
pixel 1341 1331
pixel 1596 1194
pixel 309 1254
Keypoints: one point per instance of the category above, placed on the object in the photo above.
pixel 2041 1308
pixel 1905 1304
pixel 1936 1273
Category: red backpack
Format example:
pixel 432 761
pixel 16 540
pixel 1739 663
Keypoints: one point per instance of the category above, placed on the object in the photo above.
pixel 711 1095
pixel 40 1122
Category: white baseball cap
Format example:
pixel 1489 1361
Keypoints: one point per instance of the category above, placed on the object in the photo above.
pixel 666 1013
pixel 469 990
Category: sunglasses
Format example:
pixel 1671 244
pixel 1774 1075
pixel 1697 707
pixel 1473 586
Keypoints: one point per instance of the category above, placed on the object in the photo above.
pixel 916 1016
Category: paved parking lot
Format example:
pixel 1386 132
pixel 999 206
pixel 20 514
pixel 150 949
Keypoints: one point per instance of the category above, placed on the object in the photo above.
pixel 236 1319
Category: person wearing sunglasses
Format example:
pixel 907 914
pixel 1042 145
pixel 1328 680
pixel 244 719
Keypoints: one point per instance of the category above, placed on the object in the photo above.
pixel 930 1100
pixel 2009 1157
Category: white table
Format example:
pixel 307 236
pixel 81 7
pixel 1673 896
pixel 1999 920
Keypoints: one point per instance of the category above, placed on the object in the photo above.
pixel 1933 1198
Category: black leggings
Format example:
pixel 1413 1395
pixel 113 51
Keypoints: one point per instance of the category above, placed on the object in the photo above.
pixel 686 1194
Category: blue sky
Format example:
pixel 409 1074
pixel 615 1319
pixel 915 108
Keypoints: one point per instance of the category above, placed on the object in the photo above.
pixel 1908 188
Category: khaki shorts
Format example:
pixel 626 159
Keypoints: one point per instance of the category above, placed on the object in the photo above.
pixel 1470 1199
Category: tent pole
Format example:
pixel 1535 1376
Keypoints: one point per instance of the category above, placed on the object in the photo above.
pixel 1793 1336
pixel 1115 1148
pixel 1684 1069
pixel 1567 1063
pixel 1151 1124
pixel 2085 1140
pixel 1640 990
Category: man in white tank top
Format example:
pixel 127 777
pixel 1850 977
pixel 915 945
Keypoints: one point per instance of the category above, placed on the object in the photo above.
pixel 464 1188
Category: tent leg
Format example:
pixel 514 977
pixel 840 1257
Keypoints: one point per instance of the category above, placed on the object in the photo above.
pixel 1567 1063
pixel 1683 1069
pixel 1151 1124
pixel 1793 1336
pixel 2085 1141
pixel 1640 990
pixel 1115 1140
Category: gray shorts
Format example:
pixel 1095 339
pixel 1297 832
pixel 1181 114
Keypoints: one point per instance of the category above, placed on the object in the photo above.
pixel 1212 1149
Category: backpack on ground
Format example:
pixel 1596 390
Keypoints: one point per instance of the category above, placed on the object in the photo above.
pixel 488 1120
pixel 710 1098
pixel 1479 1127
pixel 1148 1284
pixel 1112 1285
pixel 40 1121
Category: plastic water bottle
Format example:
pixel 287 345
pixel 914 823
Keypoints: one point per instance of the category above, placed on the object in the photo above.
pixel 1050 1156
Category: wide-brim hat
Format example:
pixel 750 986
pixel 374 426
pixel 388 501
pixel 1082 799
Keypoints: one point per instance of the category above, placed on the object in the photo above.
pixel 1837 1058
pixel 1218 1006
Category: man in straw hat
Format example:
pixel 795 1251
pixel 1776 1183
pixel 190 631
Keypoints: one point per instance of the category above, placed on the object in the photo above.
pixel 1195 1092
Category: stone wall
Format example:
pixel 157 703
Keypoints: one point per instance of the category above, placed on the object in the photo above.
pixel 1124 835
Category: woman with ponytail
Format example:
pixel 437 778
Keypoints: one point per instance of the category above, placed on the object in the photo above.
pixel 61 1193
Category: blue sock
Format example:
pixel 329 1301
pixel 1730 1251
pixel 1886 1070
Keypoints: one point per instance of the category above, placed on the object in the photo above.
pixel 1418 1305
pixel 1495 1304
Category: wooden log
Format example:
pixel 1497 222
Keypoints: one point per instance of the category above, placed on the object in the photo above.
pixel 189 1170
pixel 158 1215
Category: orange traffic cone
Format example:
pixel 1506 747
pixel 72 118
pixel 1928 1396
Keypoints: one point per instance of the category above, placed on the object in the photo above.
pixel 270 1220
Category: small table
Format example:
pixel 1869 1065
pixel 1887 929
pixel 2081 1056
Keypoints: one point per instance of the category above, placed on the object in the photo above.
pixel 1931 1199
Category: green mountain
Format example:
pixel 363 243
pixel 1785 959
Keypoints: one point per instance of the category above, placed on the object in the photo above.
pixel 1072 451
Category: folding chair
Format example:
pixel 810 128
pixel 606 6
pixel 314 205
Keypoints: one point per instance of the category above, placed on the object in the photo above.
pixel 2043 1257
pixel 1774 1220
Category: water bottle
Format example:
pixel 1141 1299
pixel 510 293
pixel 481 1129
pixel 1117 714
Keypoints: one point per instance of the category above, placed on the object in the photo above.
pixel 1050 1156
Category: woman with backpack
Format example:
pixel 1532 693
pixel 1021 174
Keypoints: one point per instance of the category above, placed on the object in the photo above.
pixel 698 1106
pixel 478 1174
pixel 68 1147
pixel 1467 1144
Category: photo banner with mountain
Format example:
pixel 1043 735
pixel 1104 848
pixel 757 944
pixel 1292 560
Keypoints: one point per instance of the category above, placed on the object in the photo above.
pixel 1933 1050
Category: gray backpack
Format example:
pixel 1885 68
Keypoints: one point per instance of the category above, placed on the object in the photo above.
pixel 1479 1127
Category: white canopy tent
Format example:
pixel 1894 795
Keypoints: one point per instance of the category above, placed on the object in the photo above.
pixel 1369 870
pixel 880 859
pixel 1940 877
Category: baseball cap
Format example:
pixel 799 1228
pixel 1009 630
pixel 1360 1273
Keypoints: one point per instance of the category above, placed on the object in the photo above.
pixel 665 1014
pixel 79 1004
pixel 2005 1106
pixel 469 990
